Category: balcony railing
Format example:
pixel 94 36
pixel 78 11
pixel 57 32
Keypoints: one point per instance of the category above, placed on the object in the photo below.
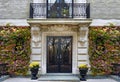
pixel 70 10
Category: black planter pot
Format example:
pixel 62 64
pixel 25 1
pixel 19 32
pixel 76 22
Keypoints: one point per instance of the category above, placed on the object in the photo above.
pixel 83 73
pixel 34 72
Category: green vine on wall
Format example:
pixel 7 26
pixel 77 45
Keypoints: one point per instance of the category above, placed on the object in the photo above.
pixel 15 48
pixel 104 48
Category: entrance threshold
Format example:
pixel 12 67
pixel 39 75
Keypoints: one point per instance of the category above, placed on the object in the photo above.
pixel 59 77
pixel 59 74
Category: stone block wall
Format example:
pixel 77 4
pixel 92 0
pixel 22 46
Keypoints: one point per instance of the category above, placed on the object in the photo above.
pixel 14 9
pixel 105 9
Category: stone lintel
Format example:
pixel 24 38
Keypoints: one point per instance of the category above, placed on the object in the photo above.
pixel 79 22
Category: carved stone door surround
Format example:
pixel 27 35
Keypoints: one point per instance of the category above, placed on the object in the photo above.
pixel 59 30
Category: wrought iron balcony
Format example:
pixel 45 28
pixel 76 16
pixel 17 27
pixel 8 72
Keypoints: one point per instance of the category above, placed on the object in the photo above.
pixel 54 10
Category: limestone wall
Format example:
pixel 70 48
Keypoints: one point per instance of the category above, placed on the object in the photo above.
pixel 105 9
pixel 17 9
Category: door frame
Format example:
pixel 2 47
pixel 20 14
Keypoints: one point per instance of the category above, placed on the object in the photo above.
pixel 74 49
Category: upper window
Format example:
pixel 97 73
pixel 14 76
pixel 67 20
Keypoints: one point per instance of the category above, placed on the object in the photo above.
pixel 59 8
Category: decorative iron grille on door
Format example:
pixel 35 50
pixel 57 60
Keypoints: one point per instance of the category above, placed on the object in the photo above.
pixel 59 54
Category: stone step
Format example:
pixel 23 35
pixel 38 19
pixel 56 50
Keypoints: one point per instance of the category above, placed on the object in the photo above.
pixel 52 81
pixel 59 78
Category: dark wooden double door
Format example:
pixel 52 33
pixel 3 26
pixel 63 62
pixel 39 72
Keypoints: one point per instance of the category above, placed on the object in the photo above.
pixel 59 54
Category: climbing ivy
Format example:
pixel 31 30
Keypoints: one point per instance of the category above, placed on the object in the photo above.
pixel 104 48
pixel 15 48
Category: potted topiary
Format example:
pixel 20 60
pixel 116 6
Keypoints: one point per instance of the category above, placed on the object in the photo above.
pixel 83 69
pixel 34 67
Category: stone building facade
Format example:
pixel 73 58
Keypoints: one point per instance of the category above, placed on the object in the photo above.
pixel 59 42
pixel 99 9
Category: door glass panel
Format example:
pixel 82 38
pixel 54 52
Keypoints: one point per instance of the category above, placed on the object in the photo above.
pixel 59 54
pixel 58 1
pixel 52 53
pixel 66 54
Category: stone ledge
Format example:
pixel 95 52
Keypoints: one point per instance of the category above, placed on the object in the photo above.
pixel 117 78
pixel 2 78
pixel 59 21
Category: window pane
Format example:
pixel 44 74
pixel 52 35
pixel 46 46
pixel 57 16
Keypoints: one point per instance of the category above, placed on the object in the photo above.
pixel 51 1
pixel 59 8
pixel 68 1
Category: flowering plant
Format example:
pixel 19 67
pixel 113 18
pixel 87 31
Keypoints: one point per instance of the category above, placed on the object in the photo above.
pixel 83 66
pixel 34 65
